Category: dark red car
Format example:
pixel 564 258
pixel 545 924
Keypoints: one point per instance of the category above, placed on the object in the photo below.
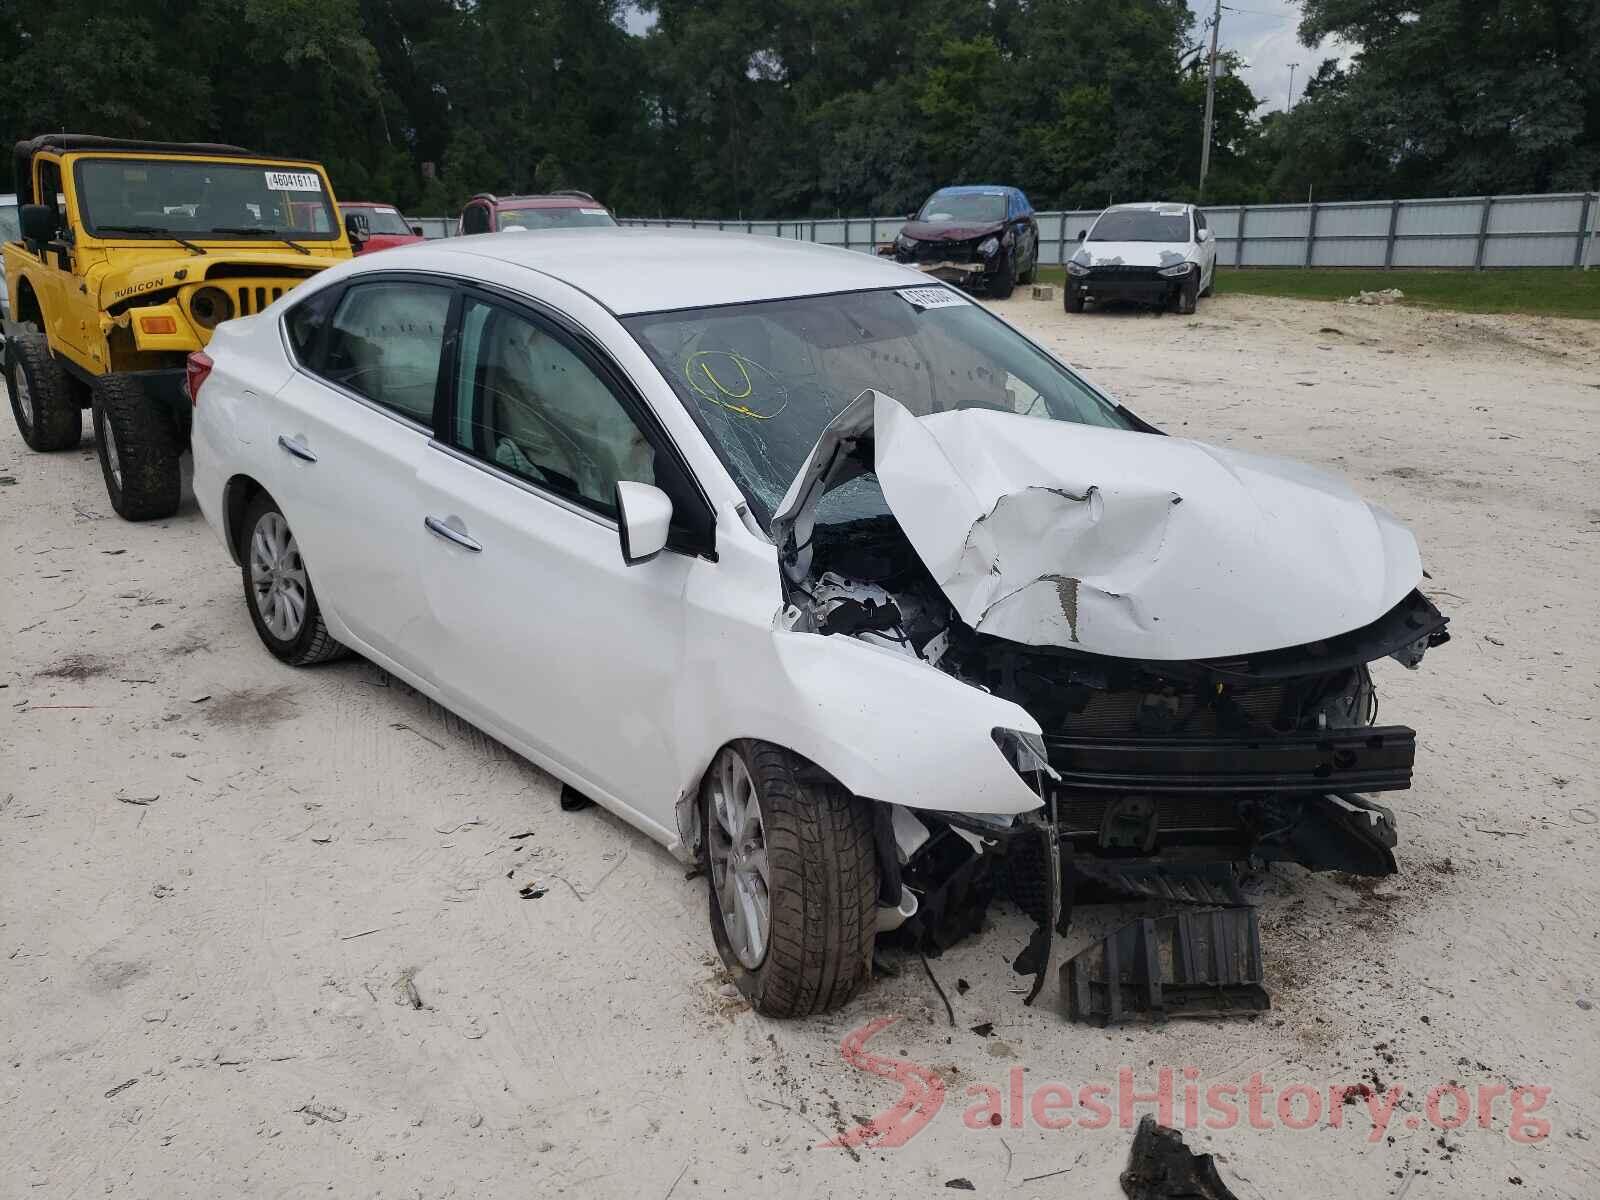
pixel 485 213
pixel 386 228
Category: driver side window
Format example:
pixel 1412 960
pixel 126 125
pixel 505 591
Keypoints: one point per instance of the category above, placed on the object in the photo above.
pixel 530 404
pixel 475 219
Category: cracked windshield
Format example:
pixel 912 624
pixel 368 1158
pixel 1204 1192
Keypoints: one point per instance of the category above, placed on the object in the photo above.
pixel 763 380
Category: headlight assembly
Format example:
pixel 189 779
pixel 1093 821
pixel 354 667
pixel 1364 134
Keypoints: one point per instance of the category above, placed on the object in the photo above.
pixel 904 243
pixel 1176 272
pixel 1025 752
pixel 988 246
pixel 210 307
pixel 1077 268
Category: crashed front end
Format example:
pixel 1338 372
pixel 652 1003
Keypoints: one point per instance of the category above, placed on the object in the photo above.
pixel 1191 628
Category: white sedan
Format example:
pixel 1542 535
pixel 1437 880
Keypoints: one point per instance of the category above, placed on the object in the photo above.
pixel 817 573
pixel 1162 254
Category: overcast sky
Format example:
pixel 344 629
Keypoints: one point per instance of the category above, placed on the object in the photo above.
pixel 1261 31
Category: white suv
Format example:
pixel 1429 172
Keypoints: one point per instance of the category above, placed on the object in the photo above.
pixel 1162 254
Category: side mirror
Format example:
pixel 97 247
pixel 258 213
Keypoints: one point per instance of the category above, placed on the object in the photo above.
pixel 417 229
pixel 643 514
pixel 1203 236
pixel 357 228
pixel 38 222
pixel 1082 233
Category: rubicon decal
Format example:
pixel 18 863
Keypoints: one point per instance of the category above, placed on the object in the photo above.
pixel 146 285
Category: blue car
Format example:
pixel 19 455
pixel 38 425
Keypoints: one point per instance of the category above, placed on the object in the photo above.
pixel 982 236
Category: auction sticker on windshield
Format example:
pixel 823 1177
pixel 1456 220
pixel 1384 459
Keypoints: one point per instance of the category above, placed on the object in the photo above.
pixel 923 298
pixel 293 181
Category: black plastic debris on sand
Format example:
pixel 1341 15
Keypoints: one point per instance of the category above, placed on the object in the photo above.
pixel 1190 964
pixel 1161 1167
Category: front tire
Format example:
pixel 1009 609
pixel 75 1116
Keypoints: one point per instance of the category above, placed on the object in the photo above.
pixel 1187 294
pixel 138 450
pixel 793 875
pixel 46 402
pixel 277 589
pixel 1005 279
pixel 1072 298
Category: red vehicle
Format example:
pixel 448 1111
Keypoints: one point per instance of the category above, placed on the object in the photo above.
pixel 485 213
pixel 386 228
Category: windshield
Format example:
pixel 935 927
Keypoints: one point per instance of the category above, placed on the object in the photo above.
pixel 763 380
pixel 985 206
pixel 122 197
pixel 384 220
pixel 1132 225
pixel 10 231
pixel 552 218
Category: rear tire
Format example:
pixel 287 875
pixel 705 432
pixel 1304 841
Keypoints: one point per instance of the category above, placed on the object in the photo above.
pixel 46 401
pixel 819 886
pixel 277 589
pixel 138 450
pixel 1211 284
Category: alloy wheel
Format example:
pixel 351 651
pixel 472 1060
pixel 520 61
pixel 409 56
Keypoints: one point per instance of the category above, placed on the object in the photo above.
pixel 740 875
pixel 278 577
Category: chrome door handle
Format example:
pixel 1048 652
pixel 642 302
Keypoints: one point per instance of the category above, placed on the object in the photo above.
pixel 296 449
pixel 435 525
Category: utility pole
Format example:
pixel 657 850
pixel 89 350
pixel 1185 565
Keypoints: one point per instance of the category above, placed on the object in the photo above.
pixel 1290 105
pixel 1211 99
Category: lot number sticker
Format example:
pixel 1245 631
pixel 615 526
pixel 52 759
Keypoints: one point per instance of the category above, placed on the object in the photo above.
pixel 293 181
pixel 923 298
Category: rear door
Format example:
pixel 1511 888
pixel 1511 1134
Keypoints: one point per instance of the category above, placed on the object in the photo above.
pixel 348 434
pixel 537 627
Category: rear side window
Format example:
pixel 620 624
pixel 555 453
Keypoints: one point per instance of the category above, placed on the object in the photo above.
pixel 1199 219
pixel 304 323
pixel 385 343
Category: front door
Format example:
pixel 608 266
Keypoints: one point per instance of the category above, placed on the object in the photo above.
pixel 351 431
pixel 538 627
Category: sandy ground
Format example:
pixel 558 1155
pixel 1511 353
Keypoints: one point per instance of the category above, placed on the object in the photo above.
pixel 264 942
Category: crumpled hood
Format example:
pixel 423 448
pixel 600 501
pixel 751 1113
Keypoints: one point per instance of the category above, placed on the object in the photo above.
pixel 1134 545
pixel 1132 254
pixel 949 231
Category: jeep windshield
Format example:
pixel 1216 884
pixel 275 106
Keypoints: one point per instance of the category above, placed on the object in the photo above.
pixel 982 206
pixel 763 380
pixel 172 198
pixel 1131 225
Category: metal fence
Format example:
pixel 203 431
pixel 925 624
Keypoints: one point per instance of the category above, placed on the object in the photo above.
pixel 1465 231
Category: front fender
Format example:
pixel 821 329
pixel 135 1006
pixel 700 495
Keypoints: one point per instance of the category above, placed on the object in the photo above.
pixel 885 725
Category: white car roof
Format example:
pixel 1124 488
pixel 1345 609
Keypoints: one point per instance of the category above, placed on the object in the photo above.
pixel 632 270
pixel 1163 206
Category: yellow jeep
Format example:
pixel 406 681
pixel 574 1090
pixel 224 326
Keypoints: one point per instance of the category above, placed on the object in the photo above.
pixel 130 254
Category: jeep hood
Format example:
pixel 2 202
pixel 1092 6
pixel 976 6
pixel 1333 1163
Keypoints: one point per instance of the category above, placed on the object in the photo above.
pixel 1131 254
pixel 122 280
pixel 950 231
pixel 1128 544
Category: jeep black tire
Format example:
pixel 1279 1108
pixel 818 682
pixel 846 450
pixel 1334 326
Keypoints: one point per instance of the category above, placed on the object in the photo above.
pixel 1005 279
pixel 277 589
pixel 819 885
pixel 46 401
pixel 138 450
